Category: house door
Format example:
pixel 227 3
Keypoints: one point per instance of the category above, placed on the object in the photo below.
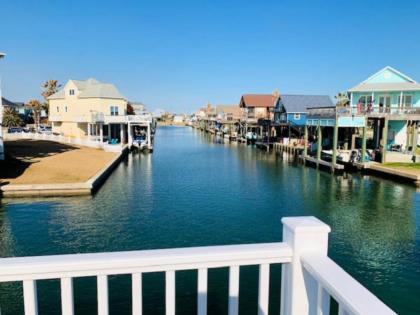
pixel 385 104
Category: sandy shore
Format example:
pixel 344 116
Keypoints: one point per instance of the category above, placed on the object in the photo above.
pixel 46 162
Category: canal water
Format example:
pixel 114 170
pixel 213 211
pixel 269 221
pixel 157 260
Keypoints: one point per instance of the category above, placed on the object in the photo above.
pixel 194 191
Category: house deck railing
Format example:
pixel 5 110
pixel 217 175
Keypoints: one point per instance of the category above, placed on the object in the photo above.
pixel 383 111
pixel 309 277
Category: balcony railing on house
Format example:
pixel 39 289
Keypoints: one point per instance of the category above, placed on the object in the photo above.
pixel 387 110
pixel 308 279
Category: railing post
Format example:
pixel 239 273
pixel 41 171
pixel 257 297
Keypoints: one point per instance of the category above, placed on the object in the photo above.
pixel 300 294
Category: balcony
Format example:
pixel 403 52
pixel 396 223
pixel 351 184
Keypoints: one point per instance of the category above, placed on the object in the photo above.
pixel 55 118
pixel 309 276
pixel 376 111
pixel 82 119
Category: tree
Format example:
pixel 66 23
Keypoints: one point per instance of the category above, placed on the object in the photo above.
pixel 36 107
pixel 49 88
pixel 342 99
pixel 11 118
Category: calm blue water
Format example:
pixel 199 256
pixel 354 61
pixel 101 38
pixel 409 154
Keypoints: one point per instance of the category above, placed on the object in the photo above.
pixel 194 191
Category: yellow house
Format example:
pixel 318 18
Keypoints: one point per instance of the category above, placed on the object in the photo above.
pixel 89 109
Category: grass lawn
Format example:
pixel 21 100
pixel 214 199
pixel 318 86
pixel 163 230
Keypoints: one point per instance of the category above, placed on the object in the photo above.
pixel 404 165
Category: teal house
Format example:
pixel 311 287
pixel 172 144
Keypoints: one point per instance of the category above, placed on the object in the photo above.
pixel 390 100
pixel 387 91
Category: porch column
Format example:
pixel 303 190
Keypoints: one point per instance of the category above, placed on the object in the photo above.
pixel 130 139
pixel 363 144
pixel 401 100
pixel 319 143
pixel 305 142
pixel 149 138
pixel 384 139
pixel 101 133
pixel 335 141
pixel 122 133
pixel 414 137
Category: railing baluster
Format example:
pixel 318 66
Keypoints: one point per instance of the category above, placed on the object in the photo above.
pixel 102 285
pixel 202 292
pixel 323 301
pixel 137 293
pixel 233 290
pixel 263 289
pixel 30 297
pixel 67 305
pixel 170 292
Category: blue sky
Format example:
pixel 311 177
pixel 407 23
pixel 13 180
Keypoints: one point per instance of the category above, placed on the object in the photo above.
pixel 178 55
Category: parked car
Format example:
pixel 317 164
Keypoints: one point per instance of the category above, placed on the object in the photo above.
pixel 14 130
pixel 45 130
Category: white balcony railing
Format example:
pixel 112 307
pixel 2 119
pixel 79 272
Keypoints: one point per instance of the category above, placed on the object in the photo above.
pixel 383 111
pixel 309 277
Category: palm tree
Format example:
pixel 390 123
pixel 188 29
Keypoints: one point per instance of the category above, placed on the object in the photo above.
pixel 11 118
pixel 342 99
pixel 49 88
pixel 36 107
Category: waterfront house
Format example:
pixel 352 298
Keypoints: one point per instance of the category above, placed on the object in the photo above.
pixel 290 112
pixel 95 111
pixel 227 120
pixel 391 102
pixel 228 113
pixel 257 113
pixel 20 108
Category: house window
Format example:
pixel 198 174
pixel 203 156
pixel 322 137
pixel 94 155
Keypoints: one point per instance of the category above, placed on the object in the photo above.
pixel 296 116
pixel 114 110
pixel 71 92
pixel 66 109
pixel 365 101
pixel 58 109
pixel 406 102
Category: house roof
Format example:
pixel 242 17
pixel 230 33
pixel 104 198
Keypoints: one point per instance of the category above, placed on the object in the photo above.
pixel 258 100
pixel 382 87
pixel 299 103
pixel 387 79
pixel 6 102
pixel 91 88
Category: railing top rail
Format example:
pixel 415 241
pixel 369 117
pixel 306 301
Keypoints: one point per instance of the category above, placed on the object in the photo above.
pixel 345 289
pixel 79 265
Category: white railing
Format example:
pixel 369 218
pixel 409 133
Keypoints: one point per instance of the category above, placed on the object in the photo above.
pixel 309 277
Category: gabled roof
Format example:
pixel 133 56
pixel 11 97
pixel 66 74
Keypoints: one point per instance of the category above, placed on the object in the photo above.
pixel 299 103
pixel 387 79
pixel 6 102
pixel 91 88
pixel 258 100
pixel 390 69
